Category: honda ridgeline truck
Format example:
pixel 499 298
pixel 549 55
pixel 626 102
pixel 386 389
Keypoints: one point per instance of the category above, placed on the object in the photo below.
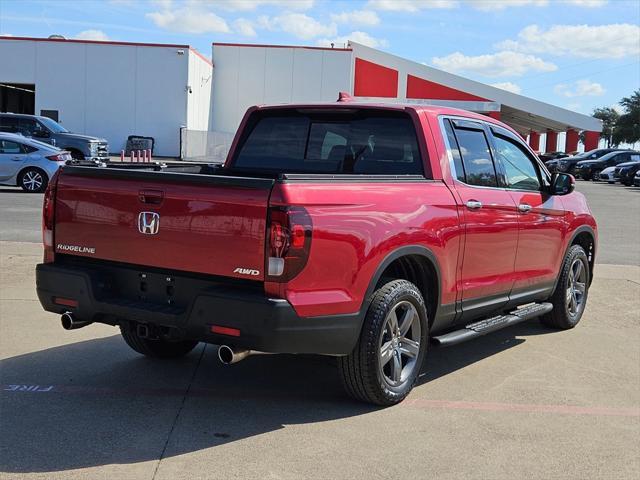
pixel 360 231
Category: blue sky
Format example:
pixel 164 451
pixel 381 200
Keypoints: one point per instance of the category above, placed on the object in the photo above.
pixel 577 54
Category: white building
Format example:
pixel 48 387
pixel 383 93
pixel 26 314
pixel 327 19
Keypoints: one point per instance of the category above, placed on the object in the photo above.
pixel 117 89
pixel 108 89
pixel 246 75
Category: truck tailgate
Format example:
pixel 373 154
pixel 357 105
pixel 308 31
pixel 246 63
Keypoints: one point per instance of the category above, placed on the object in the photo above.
pixel 205 223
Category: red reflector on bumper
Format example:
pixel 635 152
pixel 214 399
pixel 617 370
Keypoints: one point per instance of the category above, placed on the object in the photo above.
pixel 67 302
pixel 234 332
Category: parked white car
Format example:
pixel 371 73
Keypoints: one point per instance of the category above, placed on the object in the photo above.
pixel 28 163
pixel 606 175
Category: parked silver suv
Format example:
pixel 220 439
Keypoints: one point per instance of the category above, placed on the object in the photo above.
pixel 81 147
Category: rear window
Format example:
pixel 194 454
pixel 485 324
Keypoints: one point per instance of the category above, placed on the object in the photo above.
pixel 350 142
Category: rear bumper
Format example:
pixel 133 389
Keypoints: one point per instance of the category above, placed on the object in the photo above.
pixel 265 324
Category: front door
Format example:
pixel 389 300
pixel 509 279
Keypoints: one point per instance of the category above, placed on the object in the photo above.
pixel 490 220
pixel 540 216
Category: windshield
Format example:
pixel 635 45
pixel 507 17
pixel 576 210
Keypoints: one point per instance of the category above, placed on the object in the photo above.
pixel 52 125
pixel 608 156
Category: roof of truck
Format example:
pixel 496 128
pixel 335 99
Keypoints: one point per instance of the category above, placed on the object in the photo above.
pixel 353 104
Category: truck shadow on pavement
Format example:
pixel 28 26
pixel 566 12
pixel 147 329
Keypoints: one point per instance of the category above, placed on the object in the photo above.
pixel 96 403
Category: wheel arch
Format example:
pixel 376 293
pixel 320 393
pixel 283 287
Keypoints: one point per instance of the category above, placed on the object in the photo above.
pixel 586 238
pixel 416 264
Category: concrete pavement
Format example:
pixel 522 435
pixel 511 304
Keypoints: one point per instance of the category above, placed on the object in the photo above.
pixel 525 402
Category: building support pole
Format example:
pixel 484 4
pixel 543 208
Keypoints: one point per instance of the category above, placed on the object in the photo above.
pixel 534 140
pixel 591 140
pixel 571 141
pixel 551 145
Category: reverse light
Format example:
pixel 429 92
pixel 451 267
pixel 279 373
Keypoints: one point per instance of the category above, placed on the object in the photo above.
pixel 289 242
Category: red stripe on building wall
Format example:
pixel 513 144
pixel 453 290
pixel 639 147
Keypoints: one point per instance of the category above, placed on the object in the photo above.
pixel 421 88
pixel 373 80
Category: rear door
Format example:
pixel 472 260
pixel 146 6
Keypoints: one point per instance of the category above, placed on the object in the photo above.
pixel 173 221
pixel 490 220
pixel 540 215
pixel 11 158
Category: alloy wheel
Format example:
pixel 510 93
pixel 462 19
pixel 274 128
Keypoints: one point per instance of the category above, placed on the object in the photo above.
pixel 576 287
pixel 32 180
pixel 399 344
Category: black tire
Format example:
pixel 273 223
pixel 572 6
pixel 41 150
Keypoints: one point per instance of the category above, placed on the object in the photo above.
pixel 561 317
pixel 361 372
pixel 33 180
pixel 155 348
pixel 75 154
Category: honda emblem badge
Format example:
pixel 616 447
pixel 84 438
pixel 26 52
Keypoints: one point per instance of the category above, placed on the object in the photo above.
pixel 148 223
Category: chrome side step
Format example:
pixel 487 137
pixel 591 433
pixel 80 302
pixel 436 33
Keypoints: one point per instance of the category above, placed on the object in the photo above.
pixel 477 329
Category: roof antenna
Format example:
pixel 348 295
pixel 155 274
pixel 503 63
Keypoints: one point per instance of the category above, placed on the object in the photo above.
pixel 344 97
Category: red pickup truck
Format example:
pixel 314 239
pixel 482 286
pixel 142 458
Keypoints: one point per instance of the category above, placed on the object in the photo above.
pixel 361 231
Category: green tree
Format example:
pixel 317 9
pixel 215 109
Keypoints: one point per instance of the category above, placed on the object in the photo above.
pixel 609 119
pixel 627 127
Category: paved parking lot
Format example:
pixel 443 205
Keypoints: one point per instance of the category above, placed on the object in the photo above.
pixel 526 402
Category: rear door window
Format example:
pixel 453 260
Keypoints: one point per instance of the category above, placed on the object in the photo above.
pixel 350 142
pixel 476 157
pixel 7 146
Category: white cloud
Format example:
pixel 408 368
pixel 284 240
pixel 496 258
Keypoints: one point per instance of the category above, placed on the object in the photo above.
pixel 508 86
pixel 588 3
pixel 248 5
pixel 410 5
pixel 299 25
pixel 244 27
pixel 602 41
pixel 500 64
pixel 488 5
pixel 92 35
pixel 581 88
pixel 189 20
pixel 485 5
pixel 359 37
pixel 357 17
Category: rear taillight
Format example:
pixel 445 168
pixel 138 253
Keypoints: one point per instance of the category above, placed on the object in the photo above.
pixel 59 157
pixel 48 217
pixel 288 242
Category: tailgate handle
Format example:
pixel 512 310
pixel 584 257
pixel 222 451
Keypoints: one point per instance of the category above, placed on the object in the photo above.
pixel 153 197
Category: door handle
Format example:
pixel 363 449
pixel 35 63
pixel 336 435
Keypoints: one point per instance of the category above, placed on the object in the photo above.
pixel 524 208
pixel 16 159
pixel 474 204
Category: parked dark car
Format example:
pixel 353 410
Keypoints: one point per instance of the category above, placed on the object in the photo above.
pixel 626 171
pixel 586 169
pixel 636 179
pixel 568 164
pixel 44 129
pixel 545 157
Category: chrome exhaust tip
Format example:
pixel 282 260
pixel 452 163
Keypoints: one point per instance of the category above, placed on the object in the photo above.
pixel 229 355
pixel 69 322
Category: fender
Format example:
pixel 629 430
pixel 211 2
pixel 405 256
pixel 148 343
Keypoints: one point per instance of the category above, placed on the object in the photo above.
pixel 394 255
pixel 578 231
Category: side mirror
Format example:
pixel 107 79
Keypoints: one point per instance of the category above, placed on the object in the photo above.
pixel 562 184
pixel 40 134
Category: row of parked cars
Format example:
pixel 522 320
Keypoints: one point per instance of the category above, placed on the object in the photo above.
pixel 606 164
pixel 33 147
